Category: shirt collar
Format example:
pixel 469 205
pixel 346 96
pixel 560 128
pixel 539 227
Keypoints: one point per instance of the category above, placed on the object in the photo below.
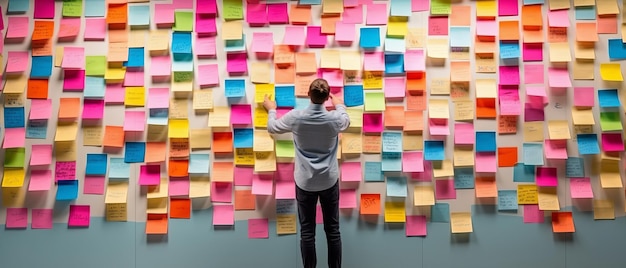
pixel 313 106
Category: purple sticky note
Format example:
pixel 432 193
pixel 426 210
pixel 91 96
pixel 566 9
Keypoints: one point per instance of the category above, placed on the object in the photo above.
pixel 221 192
pixel 237 62
pixel 416 224
pixel 612 142
pixel 44 9
pixel 546 176
pixel 79 216
pixel 41 218
pixel 94 185
pixel 444 189
pixel 150 175
pixel 314 37
pixel 17 218
pixel 243 176
pixel 258 228
pixel 73 80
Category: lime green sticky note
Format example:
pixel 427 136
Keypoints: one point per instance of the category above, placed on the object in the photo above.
pixel 95 65
pixel 374 101
pixel 233 10
pixel 183 21
pixel 440 7
pixel 285 148
pixel 610 121
pixel 72 8
pixel 183 76
pixel 14 157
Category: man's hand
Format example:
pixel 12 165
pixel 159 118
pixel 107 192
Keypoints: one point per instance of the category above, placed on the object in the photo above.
pixel 336 100
pixel 268 104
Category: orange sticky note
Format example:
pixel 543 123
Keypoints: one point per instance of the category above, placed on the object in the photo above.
pixel 180 208
pixel 69 108
pixel 416 101
pixel 607 24
pixel 370 204
pixel 394 117
pixel 284 74
pixel 37 89
pixel 532 17
pixel 507 156
pixel 244 200
pixel 303 81
pixel 486 187
pixel 155 152
pixel 509 30
pixel 306 62
pixel 178 168
pixel 117 14
pixel 586 32
pixel 43 30
pixel 460 15
pixel 283 54
pixel 222 171
pixel 413 121
pixel 222 142
pixel 507 124
pixel 563 222
pixel 179 147
pixel 329 22
pixel 485 108
pixel 114 136
pixel 300 14
pixel 156 224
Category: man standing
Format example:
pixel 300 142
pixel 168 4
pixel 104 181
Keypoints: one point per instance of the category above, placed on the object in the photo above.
pixel 315 135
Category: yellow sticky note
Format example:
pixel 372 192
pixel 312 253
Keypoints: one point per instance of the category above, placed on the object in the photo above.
pixel 582 116
pixel 332 6
pixel 115 73
pixel 179 108
pixel 611 72
pixel 442 169
pixel 372 80
pixel 603 209
pixel 351 143
pixel 559 4
pixel 415 37
pixel 330 59
pixel 263 142
pixel 65 151
pixel 356 117
pixel 199 186
pixel 264 161
pixel 13 178
pixel 178 128
pixel 438 108
pixel 610 174
pixel 461 222
pixel 58 55
pixel 66 131
pixel 464 110
pixel 232 30
pixel 412 141
pixel 463 156
pixel 286 224
pixel 548 199
pixel 527 194
pixel 116 212
pixel 351 60
pixel 158 41
pixel 261 90
pixel 438 48
pixel 244 157
pixel 423 196
pixel 560 52
pixel 157 205
pixel 486 9
pixel 219 117
pixel 260 72
pixel 200 138
pixel 395 212
pixel 15 84
pixel 533 131
pixel 607 7
pixel 559 130
pixel 117 192
pixel 440 86
pixel 135 96
pixel 260 117
pixel 202 99
pixel 486 88
pixel 158 191
pixel 397 28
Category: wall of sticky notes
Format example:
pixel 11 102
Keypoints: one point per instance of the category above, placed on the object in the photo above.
pixel 127 111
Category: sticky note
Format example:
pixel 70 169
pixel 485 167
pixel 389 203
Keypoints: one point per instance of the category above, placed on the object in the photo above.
pixel 96 164
pixel 485 141
pixel 563 222
pixel 507 200
pixel 67 190
pixel 16 218
pixel 369 37
pixel 434 150
pixel 134 152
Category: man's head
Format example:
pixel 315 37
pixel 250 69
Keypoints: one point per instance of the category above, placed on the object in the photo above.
pixel 319 91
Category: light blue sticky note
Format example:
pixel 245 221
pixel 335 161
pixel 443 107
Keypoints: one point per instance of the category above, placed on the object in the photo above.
pixel 533 2
pixel 37 129
pixel 134 152
pixel 353 95
pixel 236 45
pixel 392 141
pixel 396 186
pixel 463 178
pixel 42 66
pixel 139 15
pixel 157 121
pixel 485 141
pixel 509 50
pixel 181 43
pixel 434 151
pixel 285 96
pixel 67 190
pixel 199 164
pixel 96 164
pixel 373 172
pixel 401 8
pixel 14 117
pixel 370 37
pixel 440 212
pixel 395 45
pixel 588 144
pixel 310 2
pixel 608 98
pixel 533 154
pixel 182 63
pixel 574 167
pixel 507 200
pixel 118 168
pixel 243 137
pixel 391 161
pixel 158 116
pixel 585 13
pixel 523 173
pixel 95 87
pixel 617 49
pixel 18 6
pixel 234 88
pixel 136 57
pixel 302 103
pixel 94 8
pixel 460 37
pixel 394 63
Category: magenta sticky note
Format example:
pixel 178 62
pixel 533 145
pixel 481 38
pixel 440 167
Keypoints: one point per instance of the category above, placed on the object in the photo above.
pixel 79 216
pixel 41 218
pixel 420 5
pixel 205 47
pixel 17 218
pixel 149 175
pixel 262 42
pixel 208 75
pixel 14 138
pixel 243 176
pixel 464 133
pixel 221 192
pixel 559 77
pixel 241 114
pixel 40 109
pixel 509 75
pixel 73 58
pixel 376 14
pixel 237 62
pixel 580 188
pixel 612 142
pixel 44 9
pixel 438 127
pixel 263 184
pixel 314 37
pixel 486 162
pixel 65 171
pixel 41 154
pixel 223 215
pixel 256 13
pixel 17 61
pixel 532 214
pixel 93 109
pixel 444 189
pixel 372 123
pixel 207 7
pixel 258 228
pixel 532 51
pixel 95 29
pixel 277 13
pixel 294 35
pixel 114 94
pixel 533 113
pixel 486 28
pixel 205 24
pixel 508 8
pixel 413 161
pixel 285 189
pixel 178 186
pixel 374 61
pixel 533 74
pixel 94 185
pixel 584 96
pixel 73 80
pixel 347 198
pixel 414 60
pixel 134 78
pixel 546 176
pixel 158 98
pixel 555 149
pixel 352 15
pixel 40 180
pixel 319 216
pixel 351 171
pixel 415 225
pixel 438 25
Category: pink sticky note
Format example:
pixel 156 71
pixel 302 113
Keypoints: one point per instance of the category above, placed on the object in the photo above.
pixel 282 111
pixel 314 37
pixel 115 93
pixel 262 184
pixel 319 216
pixel 205 47
pixel 284 172
pixel 79 216
pixel 134 120
pixel 163 14
pixel 223 215
pixel 294 35
pixel 134 78
pixel 182 4
pixel 414 60
pixel 40 180
pixel 584 96
pixel 41 218
pixel 74 80
pixel 533 74
pixel 555 149
pixel 372 123
pixel 158 98
pixel 507 8
pixel 95 29
pixel 65 171
pixel 150 175
pixel 344 32
pixel 376 14
pixel 464 133
pixel 161 66
pixel 350 3
pixel 510 105
pixel 44 9
pixel 395 87
pixel 537 91
pixel 509 75
pixel 243 176
pixel 532 214
pixel 352 15
pixel 285 189
pixel 425 176
pixel 532 51
pixel 444 189
pixel 40 109
pixel 351 171
pixel 208 75
pixel 580 188
pixel 208 7
pixel 347 198
pixel 607 24
pixel 415 224
pixel 486 162
pixel 178 186
pixel 17 61
pixel 41 154
pixel 241 114
pixel 334 77
pixel 420 5
pixel 93 109
pixel 546 176
pixel 73 58
pixel 256 14
pixel 18 27
pixel 258 228
pixel 221 192
pixel 17 218
pixel 205 24
pixel 412 162
pixel 558 18
pixel 486 28
pixel 94 185
pixel 559 77
pixel 277 13
pixel 438 127
pixel 438 25
pixel 374 61
pixel 237 63
pixel 14 138
pixel 262 42
pixel 612 142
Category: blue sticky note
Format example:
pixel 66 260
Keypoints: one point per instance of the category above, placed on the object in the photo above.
pixel 135 152
pixel 509 50
pixel 353 95
pixel 119 169
pixel 370 37
pixel 373 172
pixel 533 154
pixel 396 187
pixel 401 8
pixel 67 190
pixel 285 96
pixel 37 129
pixel 394 63
pixel 94 8
pixel 234 88
pixel 588 144
pixel 199 164
pixel 395 45
pixel 574 167
pixel 13 117
pixel 434 150
pixel 302 103
pixel 236 45
pixel 18 6
pixel 463 178
pixel 440 212
pixel 507 200
pixel 243 137
pixel 391 161
pixel 135 57
pixel 523 173
pixel 42 66
pixel 181 43
pixel 485 141
pixel 608 98
pixel 138 15
pixel 617 49
pixel 95 87
pixel 96 164
pixel 585 13
pixel 392 141
pixel 460 37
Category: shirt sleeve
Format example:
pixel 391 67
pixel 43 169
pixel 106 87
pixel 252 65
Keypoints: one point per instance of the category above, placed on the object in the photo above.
pixel 282 125
pixel 343 120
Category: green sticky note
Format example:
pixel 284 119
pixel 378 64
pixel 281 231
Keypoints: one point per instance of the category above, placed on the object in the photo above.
pixel 95 65
pixel 285 148
pixel 610 121
pixel 233 10
pixel 72 8
pixel 183 21
pixel 374 101
pixel 14 157
pixel 183 76
pixel 440 7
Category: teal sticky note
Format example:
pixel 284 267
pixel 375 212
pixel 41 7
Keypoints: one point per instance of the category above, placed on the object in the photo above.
pixel 533 154
pixel 575 167
pixel 18 6
pixel 608 98
pixel 370 37
pixel 434 151
pixel 95 87
pixel 463 178
pixel 585 13
pixel 401 8
pixel 118 168
pixel 392 141
pixel 139 15
pixel 285 96
pixel 396 187
pixel 96 164
pixel 136 57
pixel 182 63
pixel 181 43
pixel 199 164
pixel 183 21
pixel 43 66
pixel 588 144
pixel 460 36
pixel 391 161
pixel 394 63
pixel 243 138
pixel 507 200
pixel 440 212
pixel 14 157
pixel 94 8
pixel 134 152
pixel 67 190
pixel 485 141
pixel 236 45
pixel 37 129
pixel 523 173
pixel 373 172
pixel 235 88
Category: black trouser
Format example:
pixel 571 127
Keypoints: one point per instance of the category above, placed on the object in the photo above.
pixel 307 202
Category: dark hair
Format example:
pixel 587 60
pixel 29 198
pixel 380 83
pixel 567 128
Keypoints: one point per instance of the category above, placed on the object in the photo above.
pixel 319 91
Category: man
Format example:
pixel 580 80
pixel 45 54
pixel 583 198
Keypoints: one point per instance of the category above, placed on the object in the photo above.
pixel 315 135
